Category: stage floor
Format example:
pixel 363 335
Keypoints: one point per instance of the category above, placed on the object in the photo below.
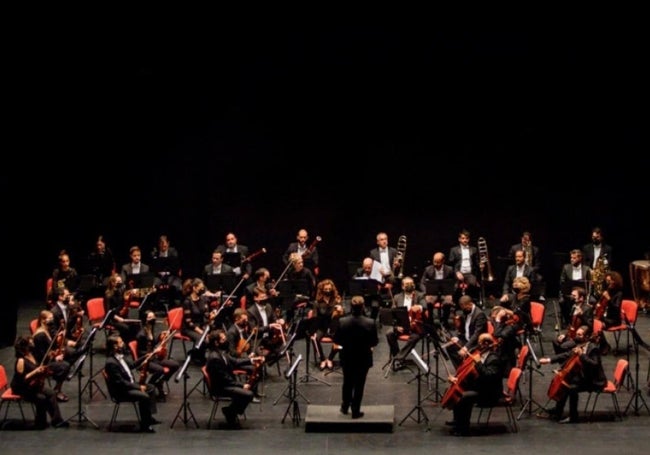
pixel 273 426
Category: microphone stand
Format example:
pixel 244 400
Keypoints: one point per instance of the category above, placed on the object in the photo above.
pixel 528 405
pixel 182 373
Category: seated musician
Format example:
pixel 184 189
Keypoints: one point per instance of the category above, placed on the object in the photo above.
pixel 223 382
pixel 159 368
pixel 519 302
pixel 197 314
pixel 49 347
pixel 478 380
pixel 506 326
pixel 263 281
pixel 414 302
pixel 438 270
pixel 123 386
pixel 609 306
pixel 114 298
pixel 374 296
pixel 29 382
pixel 270 328
pixel 242 342
pixel 582 371
pixel 327 297
pixel 471 325
pixel 582 314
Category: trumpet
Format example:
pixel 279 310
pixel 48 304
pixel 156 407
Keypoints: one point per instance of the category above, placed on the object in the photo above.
pixel 401 256
pixel 484 260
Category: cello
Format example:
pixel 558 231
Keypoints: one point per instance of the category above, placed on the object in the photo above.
pixel 560 384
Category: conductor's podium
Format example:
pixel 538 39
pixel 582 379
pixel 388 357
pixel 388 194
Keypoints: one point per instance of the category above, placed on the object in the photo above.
pixel 328 419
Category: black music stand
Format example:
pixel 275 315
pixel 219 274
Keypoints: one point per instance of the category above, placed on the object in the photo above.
pixel 528 405
pixel 140 280
pixel 76 371
pixel 88 348
pixel 637 395
pixel 440 288
pixel 293 408
pixel 224 282
pixel 423 369
pixel 306 328
pixel 291 390
pixel 182 373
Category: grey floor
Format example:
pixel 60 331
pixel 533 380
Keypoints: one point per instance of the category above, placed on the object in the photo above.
pixel 273 427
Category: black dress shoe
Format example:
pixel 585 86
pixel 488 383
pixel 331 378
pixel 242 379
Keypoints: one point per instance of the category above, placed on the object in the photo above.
pixel 344 410
pixel 61 424
pixel 147 430
pixel 451 423
pixel 459 432
pixel 154 421
pixel 357 415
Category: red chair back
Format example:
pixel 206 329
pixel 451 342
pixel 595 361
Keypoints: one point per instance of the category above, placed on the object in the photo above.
pixel 522 357
pixel 175 318
pixel 537 311
pixel 95 309
pixel 629 310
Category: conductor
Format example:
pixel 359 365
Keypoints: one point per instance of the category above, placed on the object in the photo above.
pixel 357 336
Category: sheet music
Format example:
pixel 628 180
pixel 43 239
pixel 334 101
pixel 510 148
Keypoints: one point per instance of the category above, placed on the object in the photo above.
pixel 376 272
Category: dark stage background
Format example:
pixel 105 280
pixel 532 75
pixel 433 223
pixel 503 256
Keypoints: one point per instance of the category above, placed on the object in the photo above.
pixel 263 128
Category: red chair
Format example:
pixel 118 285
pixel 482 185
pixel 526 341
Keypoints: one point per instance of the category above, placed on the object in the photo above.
pixel 629 313
pixel 537 312
pixel 509 398
pixel 612 387
pixel 96 314
pixel 8 397
pixel 33 325
pixel 174 323
pixel 49 284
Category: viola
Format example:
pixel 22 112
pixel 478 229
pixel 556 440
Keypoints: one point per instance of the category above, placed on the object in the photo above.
pixel 601 306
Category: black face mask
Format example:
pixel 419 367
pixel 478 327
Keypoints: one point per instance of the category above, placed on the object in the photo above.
pixel 328 293
pixel 596 242
pixel 409 288
pixel 467 310
pixel 223 346
pixel 201 291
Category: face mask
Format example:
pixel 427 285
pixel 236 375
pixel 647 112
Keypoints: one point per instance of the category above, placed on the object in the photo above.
pixel 467 310
pixel 328 292
pixel 409 288
pixel 201 291
pixel 596 242
pixel 151 322
pixel 223 346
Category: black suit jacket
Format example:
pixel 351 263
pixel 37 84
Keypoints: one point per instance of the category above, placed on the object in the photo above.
pixel 456 256
pixel 566 276
pixel 118 380
pixel 430 275
pixel 246 267
pixel 220 366
pixel 477 325
pixel 511 274
pixel 357 334
pixel 589 256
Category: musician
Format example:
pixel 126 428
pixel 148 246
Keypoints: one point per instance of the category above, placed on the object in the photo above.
pixel 518 269
pixel 611 299
pixel 473 324
pixel 519 303
pixel 114 298
pixel 506 328
pixel 327 297
pixel 376 293
pixel 159 368
pixel 28 381
pixel 533 259
pixel 414 302
pixel 357 335
pixel 101 262
pixel 301 277
pixel 217 266
pixel 223 382
pixel 49 350
pixel 64 313
pixel 64 275
pixel 388 258
pixel 309 253
pixel 197 313
pixel 483 387
pixel 582 314
pixel 243 271
pixel 597 248
pixel 262 280
pixel 439 270
pixel 242 343
pixel 134 267
pixel 465 261
pixel 123 386
pixel 575 270
pixel 585 375
pixel 166 266
pixel 270 328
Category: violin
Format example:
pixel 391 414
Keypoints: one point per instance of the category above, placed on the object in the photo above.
pixel 78 327
pixel 601 306
pixel 254 377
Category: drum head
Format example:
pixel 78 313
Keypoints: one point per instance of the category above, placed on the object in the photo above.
pixel 642 264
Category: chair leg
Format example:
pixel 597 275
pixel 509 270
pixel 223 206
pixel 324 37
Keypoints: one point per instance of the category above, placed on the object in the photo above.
pixel 213 412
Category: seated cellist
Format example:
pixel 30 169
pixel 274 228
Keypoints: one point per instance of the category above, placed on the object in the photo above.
pixel 478 380
pixel 582 313
pixel 582 371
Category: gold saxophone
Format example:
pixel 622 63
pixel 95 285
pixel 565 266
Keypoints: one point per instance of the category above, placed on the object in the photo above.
pixel 598 275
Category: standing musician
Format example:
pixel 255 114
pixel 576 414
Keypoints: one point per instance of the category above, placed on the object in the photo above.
pixel 220 366
pixel 414 302
pixel 478 380
pixel 159 368
pixel 49 350
pixel 389 259
pixel 327 297
pixel 582 314
pixel 309 253
pixel 471 325
pixel 243 269
pixel 66 314
pixel 197 313
pixel 532 258
pixel 28 381
pixel 64 275
pixel 582 371
pixel 270 328
pixel 123 386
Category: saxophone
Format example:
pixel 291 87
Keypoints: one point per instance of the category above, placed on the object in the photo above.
pixel 598 275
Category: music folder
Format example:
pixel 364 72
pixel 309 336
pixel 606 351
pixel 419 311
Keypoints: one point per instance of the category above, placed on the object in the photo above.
pixel 141 280
pixel 570 284
pixel 440 287
pixel 224 282
pixel 401 317
pixel 232 259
